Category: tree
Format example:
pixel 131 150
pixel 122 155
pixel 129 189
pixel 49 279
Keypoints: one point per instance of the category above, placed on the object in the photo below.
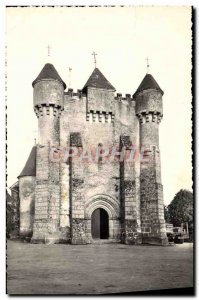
pixel 12 216
pixel 166 214
pixel 180 210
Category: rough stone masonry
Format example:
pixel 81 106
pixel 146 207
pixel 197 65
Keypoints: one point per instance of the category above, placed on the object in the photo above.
pixel 95 172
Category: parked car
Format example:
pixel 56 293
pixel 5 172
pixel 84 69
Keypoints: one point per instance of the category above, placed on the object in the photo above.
pixel 169 230
pixel 178 235
pixel 170 237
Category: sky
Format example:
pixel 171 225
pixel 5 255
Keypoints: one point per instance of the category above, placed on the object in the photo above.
pixel 123 38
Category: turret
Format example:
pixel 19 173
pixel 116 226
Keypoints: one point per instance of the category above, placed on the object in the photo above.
pixel 48 103
pixel 148 99
pixel 149 110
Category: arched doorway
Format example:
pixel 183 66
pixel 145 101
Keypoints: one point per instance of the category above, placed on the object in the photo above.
pixel 100 224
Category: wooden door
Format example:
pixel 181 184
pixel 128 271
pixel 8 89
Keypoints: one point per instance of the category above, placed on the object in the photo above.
pixel 100 224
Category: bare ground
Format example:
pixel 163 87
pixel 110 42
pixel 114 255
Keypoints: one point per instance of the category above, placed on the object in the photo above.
pixel 96 269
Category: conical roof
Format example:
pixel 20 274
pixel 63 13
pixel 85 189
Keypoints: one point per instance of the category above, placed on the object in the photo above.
pixel 49 72
pixel 148 83
pixel 30 166
pixel 98 80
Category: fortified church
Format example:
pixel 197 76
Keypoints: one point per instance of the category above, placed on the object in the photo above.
pixel 75 196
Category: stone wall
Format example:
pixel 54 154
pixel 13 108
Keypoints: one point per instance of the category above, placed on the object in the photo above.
pixel 152 206
pixel 149 101
pixel 27 203
pixel 98 180
pixel 65 209
pixel 48 124
pixel 100 100
pixel 47 197
pixel 48 92
pixel 128 127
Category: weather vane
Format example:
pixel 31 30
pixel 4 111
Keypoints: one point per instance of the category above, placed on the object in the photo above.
pixel 95 60
pixel 147 60
pixel 35 134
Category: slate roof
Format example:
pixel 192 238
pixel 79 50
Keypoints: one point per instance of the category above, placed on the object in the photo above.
pixel 148 83
pixel 98 80
pixel 9 198
pixel 49 72
pixel 30 166
pixel 15 186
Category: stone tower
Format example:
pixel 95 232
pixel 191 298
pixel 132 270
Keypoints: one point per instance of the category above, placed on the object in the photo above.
pixel 97 192
pixel 48 104
pixel 149 110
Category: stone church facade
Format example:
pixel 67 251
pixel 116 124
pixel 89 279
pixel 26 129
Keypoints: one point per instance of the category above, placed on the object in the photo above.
pixel 72 189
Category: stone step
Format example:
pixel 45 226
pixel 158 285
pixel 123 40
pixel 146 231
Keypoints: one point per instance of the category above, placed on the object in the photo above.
pixel 105 241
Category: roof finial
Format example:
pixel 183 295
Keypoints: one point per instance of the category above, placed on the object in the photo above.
pixel 35 139
pixel 48 47
pixel 69 76
pixel 95 60
pixel 147 60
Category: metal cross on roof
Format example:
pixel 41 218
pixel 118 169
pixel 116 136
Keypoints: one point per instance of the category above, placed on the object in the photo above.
pixel 95 60
pixel 48 47
pixel 69 75
pixel 147 60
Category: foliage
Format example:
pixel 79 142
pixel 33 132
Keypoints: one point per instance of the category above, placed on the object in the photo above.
pixel 166 214
pixel 12 216
pixel 180 210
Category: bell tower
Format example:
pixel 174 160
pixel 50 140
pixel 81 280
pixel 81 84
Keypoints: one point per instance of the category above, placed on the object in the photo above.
pixel 100 98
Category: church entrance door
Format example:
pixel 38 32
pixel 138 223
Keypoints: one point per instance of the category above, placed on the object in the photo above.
pixel 100 224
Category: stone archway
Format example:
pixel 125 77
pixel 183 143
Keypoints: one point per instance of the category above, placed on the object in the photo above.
pixel 111 208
